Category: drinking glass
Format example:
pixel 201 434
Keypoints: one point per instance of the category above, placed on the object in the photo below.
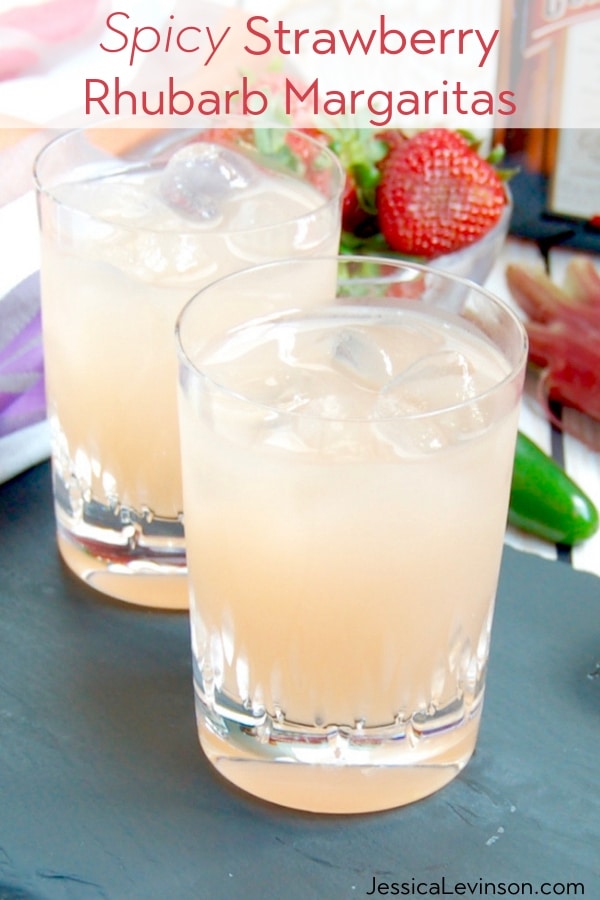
pixel 132 223
pixel 348 429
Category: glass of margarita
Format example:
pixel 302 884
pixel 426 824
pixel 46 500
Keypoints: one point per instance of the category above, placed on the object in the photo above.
pixel 348 430
pixel 133 223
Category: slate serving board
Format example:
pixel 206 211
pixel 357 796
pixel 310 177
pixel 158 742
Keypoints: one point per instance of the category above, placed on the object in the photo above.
pixel 104 792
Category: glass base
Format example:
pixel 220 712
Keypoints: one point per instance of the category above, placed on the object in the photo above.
pixel 338 770
pixel 154 583
pixel 131 555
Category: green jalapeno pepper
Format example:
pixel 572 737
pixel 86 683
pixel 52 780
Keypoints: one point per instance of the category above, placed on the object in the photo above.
pixel 545 501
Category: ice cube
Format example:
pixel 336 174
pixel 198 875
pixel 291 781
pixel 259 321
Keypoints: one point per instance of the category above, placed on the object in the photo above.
pixel 431 404
pixel 427 385
pixel 111 205
pixel 318 426
pixel 411 437
pixel 438 381
pixel 164 258
pixel 200 177
pixel 357 355
pixel 257 211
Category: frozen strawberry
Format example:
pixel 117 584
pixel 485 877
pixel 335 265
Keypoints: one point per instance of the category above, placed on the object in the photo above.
pixel 437 194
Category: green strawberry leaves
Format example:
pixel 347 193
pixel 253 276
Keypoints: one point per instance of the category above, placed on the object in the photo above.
pixel 359 151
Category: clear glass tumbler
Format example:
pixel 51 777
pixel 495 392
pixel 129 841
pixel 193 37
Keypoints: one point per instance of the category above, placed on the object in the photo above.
pixel 133 223
pixel 348 430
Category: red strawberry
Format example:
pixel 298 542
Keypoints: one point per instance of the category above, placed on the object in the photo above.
pixel 436 194
pixel 353 214
pixel 359 152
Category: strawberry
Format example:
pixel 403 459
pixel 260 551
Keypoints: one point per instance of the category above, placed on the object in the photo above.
pixel 359 152
pixel 436 194
pixel 353 213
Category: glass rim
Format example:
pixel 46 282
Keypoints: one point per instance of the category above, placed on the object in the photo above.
pixel 514 372
pixel 196 229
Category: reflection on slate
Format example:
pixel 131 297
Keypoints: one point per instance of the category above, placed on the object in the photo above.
pixel 104 792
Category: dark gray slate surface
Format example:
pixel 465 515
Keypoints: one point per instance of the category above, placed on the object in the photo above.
pixel 104 792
